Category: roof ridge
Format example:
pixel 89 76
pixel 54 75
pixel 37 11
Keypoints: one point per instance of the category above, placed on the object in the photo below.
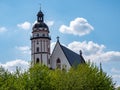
pixel 69 49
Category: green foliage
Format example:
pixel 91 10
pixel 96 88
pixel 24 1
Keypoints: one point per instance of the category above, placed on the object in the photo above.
pixel 40 77
pixel 118 88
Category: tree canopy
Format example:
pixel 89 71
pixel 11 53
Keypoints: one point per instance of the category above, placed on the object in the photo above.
pixel 40 77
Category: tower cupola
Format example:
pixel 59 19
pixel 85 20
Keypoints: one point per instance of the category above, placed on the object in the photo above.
pixel 40 16
pixel 40 22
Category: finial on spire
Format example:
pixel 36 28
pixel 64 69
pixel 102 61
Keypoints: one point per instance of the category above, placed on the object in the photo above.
pixel 80 52
pixel 100 66
pixel 57 38
pixel 40 6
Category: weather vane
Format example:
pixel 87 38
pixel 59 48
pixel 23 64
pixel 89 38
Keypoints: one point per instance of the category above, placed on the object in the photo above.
pixel 40 6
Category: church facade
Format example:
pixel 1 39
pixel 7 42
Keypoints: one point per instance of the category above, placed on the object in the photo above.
pixel 61 57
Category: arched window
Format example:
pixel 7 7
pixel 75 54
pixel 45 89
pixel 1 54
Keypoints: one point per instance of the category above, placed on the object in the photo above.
pixel 58 63
pixel 37 60
pixel 37 49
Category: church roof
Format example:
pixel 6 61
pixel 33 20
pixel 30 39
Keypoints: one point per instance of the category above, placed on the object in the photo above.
pixel 73 58
pixel 40 25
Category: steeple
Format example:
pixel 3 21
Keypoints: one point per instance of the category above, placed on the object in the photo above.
pixel 40 16
pixel 40 41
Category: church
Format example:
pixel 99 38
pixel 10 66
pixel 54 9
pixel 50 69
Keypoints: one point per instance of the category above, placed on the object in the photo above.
pixel 61 57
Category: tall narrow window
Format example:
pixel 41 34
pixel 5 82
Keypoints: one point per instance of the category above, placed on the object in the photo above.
pixel 58 63
pixel 43 35
pixel 37 60
pixel 37 49
pixel 48 61
pixel 37 42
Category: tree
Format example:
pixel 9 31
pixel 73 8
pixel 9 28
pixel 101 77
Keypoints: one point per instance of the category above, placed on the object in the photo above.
pixel 40 77
pixel 82 77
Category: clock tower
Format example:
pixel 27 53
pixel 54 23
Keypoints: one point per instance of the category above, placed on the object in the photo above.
pixel 40 42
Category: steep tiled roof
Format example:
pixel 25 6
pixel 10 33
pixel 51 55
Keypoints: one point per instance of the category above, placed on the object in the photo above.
pixel 72 57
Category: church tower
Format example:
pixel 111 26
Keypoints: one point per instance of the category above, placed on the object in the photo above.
pixel 40 42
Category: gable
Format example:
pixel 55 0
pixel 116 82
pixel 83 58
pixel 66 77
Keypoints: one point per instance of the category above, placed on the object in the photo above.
pixel 59 54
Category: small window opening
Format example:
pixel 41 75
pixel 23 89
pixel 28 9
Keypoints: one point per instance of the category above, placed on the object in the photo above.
pixel 37 60
pixel 37 49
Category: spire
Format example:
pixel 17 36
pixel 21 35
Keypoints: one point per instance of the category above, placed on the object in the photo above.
pixel 40 16
pixel 101 67
pixel 40 6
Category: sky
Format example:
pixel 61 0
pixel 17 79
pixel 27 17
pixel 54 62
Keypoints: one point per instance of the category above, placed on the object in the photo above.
pixel 92 26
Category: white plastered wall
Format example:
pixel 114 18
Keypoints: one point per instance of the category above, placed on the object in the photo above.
pixel 58 53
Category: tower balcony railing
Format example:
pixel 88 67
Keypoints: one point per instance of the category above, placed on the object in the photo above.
pixel 38 37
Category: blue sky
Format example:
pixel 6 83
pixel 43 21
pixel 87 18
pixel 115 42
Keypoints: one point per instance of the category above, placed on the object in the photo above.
pixel 98 37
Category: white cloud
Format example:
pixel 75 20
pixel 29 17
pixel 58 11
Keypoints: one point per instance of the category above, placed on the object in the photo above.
pixel 79 26
pixel 109 56
pixel 116 76
pixel 88 47
pixel 26 25
pixel 11 65
pixel 94 51
pixel 50 23
pixel 24 49
pixel 114 70
pixel 2 29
